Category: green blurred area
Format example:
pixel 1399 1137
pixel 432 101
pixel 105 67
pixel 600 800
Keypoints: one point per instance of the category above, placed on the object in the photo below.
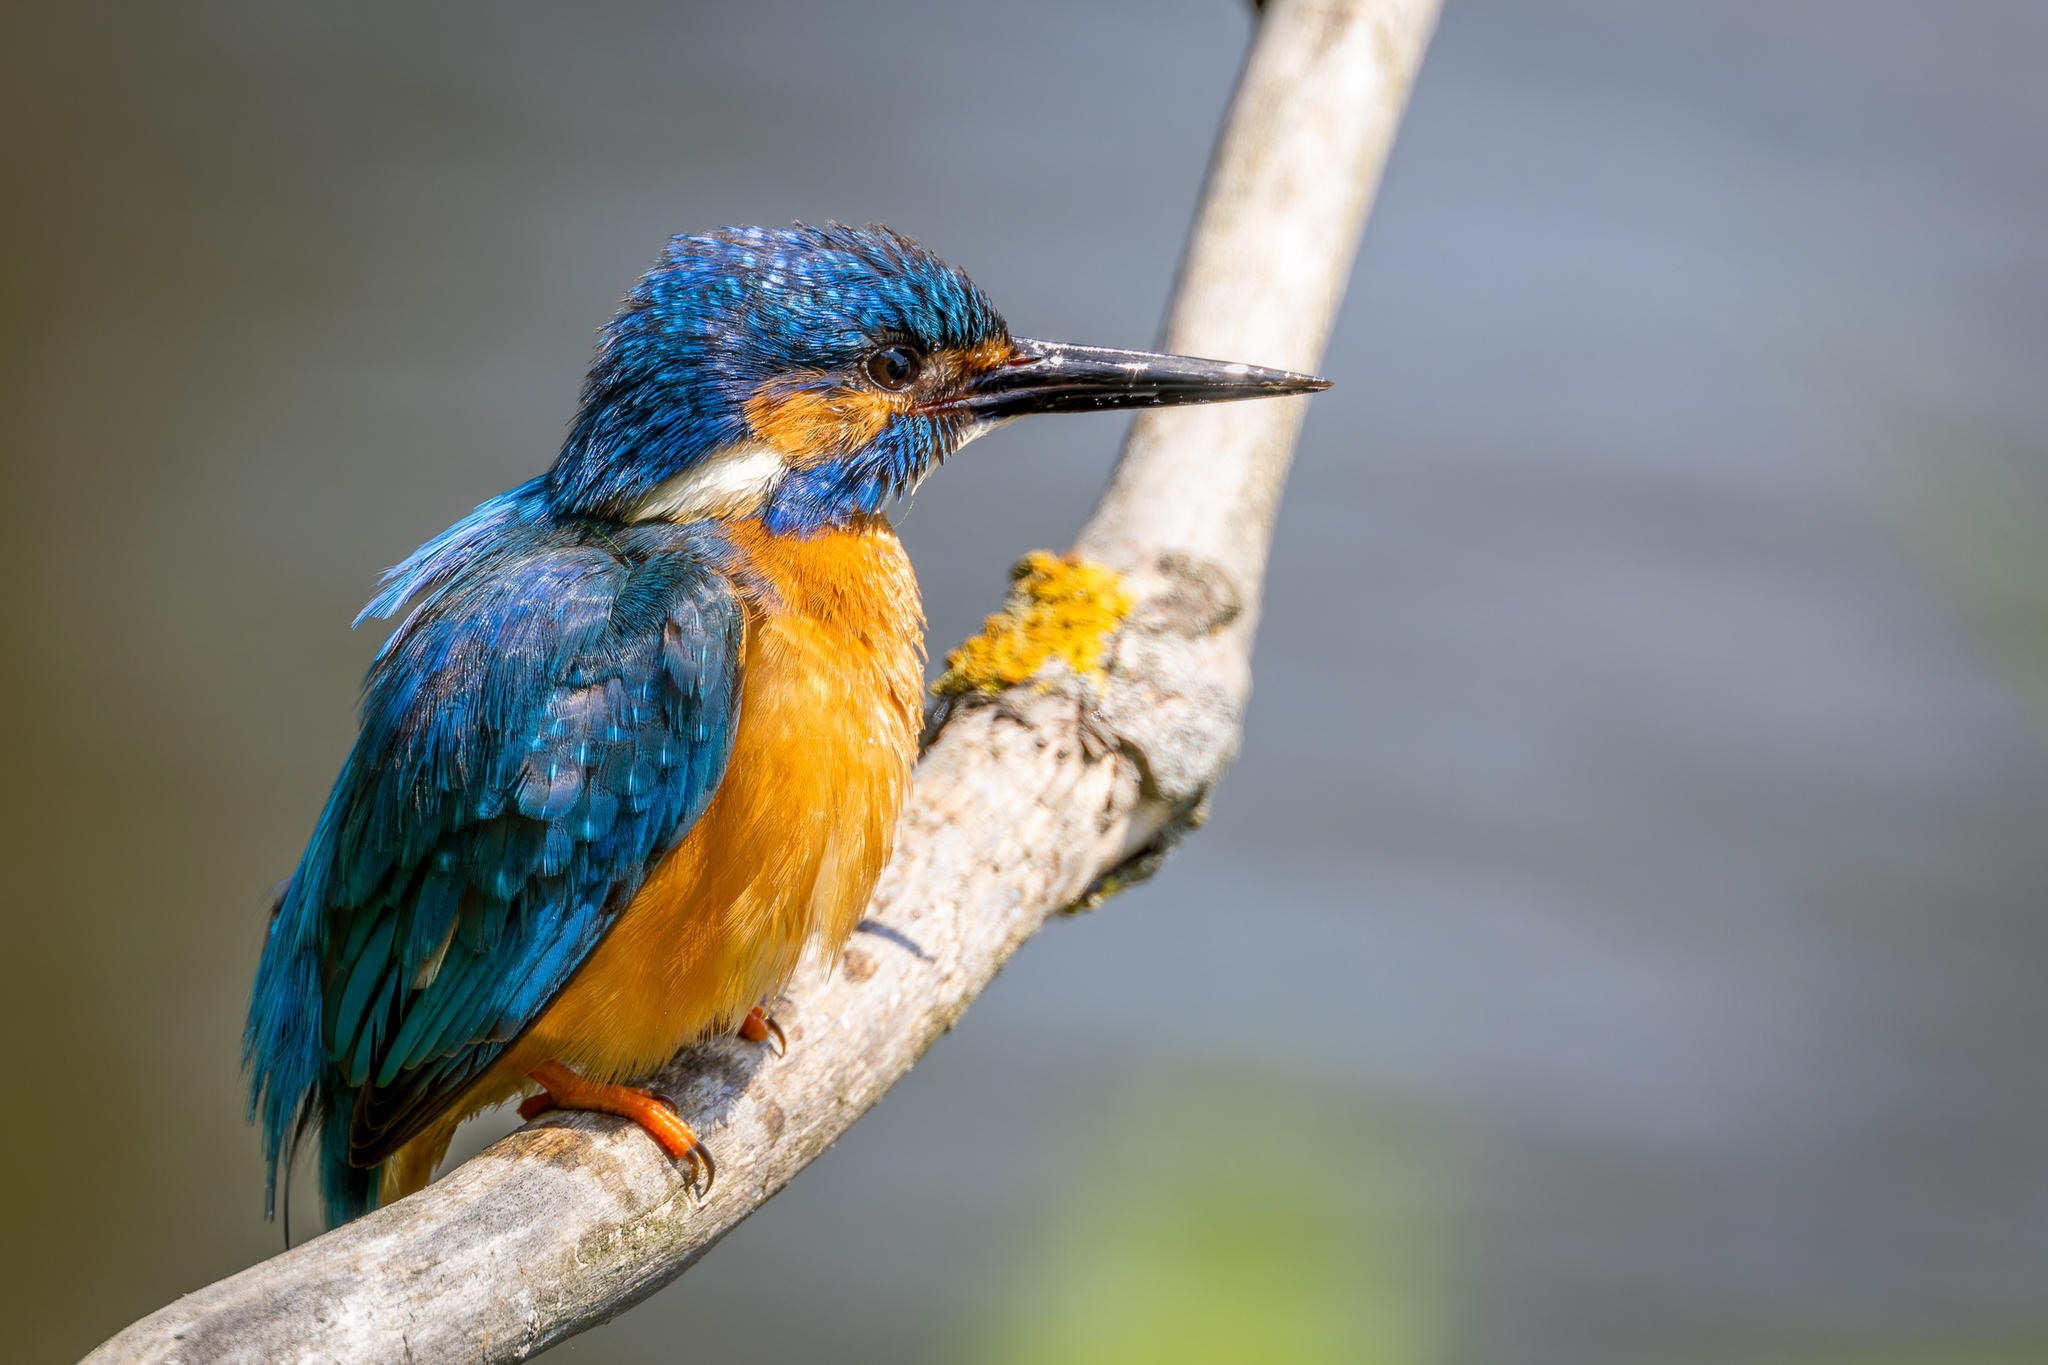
pixel 1971 499
pixel 1235 1218
pixel 1251 1216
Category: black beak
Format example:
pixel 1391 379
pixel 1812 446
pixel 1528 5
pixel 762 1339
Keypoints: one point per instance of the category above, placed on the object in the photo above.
pixel 1050 376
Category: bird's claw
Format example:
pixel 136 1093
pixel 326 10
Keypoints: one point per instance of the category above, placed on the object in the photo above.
pixel 562 1088
pixel 697 1151
pixel 758 1024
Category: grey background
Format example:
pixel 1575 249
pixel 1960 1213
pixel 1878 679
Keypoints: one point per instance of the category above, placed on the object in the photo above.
pixel 1632 810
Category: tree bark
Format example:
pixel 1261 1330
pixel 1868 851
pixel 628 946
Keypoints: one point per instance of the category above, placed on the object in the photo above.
pixel 1051 795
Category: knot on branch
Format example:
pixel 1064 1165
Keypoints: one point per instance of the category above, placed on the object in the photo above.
pixel 1186 595
pixel 1173 686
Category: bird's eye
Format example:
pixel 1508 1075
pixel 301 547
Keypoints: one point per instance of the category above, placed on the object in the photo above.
pixel 894 367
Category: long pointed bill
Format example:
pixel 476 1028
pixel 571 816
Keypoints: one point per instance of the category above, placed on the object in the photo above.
pixel 1050 376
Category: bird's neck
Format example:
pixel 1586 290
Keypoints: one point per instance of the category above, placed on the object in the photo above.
pixel 628 444
pixel 745 481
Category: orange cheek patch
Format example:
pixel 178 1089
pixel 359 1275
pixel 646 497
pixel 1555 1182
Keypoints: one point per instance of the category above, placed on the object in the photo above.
pixel 955 365
pixel 811 425
pixel 989 355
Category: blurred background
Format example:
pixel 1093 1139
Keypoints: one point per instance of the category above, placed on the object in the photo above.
pixel 1624 937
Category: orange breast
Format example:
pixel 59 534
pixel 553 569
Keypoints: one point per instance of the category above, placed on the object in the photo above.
pixel 786 854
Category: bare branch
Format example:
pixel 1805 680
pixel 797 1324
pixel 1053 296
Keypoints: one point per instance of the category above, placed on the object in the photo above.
pixel 1024 805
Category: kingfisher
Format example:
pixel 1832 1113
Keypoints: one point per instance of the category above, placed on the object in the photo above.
pixel 643 733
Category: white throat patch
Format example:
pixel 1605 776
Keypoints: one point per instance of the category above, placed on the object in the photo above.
pixel 726 483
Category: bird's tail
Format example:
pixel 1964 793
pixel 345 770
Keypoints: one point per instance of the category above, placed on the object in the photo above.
pixel 295 1090
pixel 281 1049
pixel 348 1191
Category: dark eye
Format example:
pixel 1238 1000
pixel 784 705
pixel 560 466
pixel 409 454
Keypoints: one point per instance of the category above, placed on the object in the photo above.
pixel 894 367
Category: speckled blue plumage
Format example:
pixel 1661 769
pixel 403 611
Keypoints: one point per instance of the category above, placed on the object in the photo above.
pixel 558 708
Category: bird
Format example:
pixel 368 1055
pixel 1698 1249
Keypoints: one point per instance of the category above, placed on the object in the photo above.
pixel 642 733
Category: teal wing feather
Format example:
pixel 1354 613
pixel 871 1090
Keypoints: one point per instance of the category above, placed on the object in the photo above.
pixel 550 720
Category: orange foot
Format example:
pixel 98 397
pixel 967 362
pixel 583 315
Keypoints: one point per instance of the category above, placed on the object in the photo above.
pixel 654 1112
pixel 758 1024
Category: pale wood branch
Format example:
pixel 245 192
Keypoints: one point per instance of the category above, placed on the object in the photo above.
pixel 1024 805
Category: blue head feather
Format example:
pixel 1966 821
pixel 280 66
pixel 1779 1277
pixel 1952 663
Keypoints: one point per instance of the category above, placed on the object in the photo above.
pixel 723 314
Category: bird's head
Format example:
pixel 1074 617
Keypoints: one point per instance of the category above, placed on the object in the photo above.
pixel 807 375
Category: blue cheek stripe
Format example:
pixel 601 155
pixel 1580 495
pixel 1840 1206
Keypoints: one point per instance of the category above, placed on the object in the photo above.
pixel 827 494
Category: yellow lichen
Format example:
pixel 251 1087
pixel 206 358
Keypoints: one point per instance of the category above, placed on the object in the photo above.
pixel 1058 605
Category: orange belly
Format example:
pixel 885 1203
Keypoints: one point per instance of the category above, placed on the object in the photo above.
pixel 787 852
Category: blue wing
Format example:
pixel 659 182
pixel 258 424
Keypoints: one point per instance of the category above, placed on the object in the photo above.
pixel 551 719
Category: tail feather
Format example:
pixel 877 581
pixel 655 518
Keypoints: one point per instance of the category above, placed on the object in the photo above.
pixel 348 1191
pixel 282 1049
pixel 295 1090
